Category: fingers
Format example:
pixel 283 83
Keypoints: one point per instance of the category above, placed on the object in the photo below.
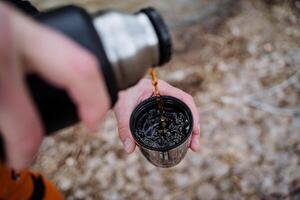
pixel 167 89
pixel 126 138
pixel 19 122
pixel 123 110
pixel 58 60
pixel 63 63
pixel 128 99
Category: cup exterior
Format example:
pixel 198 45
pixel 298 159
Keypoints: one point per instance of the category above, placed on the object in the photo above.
pixel 166 159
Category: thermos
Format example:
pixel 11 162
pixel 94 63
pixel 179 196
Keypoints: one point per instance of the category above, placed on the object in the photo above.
pixel 124 44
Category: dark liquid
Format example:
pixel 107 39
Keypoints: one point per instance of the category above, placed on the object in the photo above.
pixel 149 131
pixel 160 105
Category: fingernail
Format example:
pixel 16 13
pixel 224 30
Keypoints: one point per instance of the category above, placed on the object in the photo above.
pixel 127 144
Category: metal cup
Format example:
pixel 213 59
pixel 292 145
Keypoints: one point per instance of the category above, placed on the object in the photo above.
pixel 172 155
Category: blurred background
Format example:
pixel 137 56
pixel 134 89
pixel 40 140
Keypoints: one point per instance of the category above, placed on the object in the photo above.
pixel 240 60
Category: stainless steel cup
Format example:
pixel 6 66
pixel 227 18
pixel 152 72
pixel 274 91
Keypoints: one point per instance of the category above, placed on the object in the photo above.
pixel 162 157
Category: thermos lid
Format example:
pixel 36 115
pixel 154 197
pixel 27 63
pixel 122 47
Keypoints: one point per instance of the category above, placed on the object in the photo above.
pixel 163 34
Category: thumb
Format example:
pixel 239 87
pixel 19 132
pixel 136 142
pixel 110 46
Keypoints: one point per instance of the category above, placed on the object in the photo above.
pixel 123 110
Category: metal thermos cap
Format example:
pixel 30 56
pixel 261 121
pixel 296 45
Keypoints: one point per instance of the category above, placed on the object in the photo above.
pixel 162 31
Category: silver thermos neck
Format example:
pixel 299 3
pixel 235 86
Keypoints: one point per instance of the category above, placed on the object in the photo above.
pixel 133 43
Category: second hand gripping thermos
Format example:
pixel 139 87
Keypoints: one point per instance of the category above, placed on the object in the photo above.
pixel 125 45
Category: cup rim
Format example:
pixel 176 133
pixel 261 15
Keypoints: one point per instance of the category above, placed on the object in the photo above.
pixel 148 102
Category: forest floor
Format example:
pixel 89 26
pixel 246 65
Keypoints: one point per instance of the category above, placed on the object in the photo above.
pixel 241 62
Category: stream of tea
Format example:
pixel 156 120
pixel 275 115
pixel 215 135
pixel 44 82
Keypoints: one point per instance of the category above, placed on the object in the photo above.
pixel 160 105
